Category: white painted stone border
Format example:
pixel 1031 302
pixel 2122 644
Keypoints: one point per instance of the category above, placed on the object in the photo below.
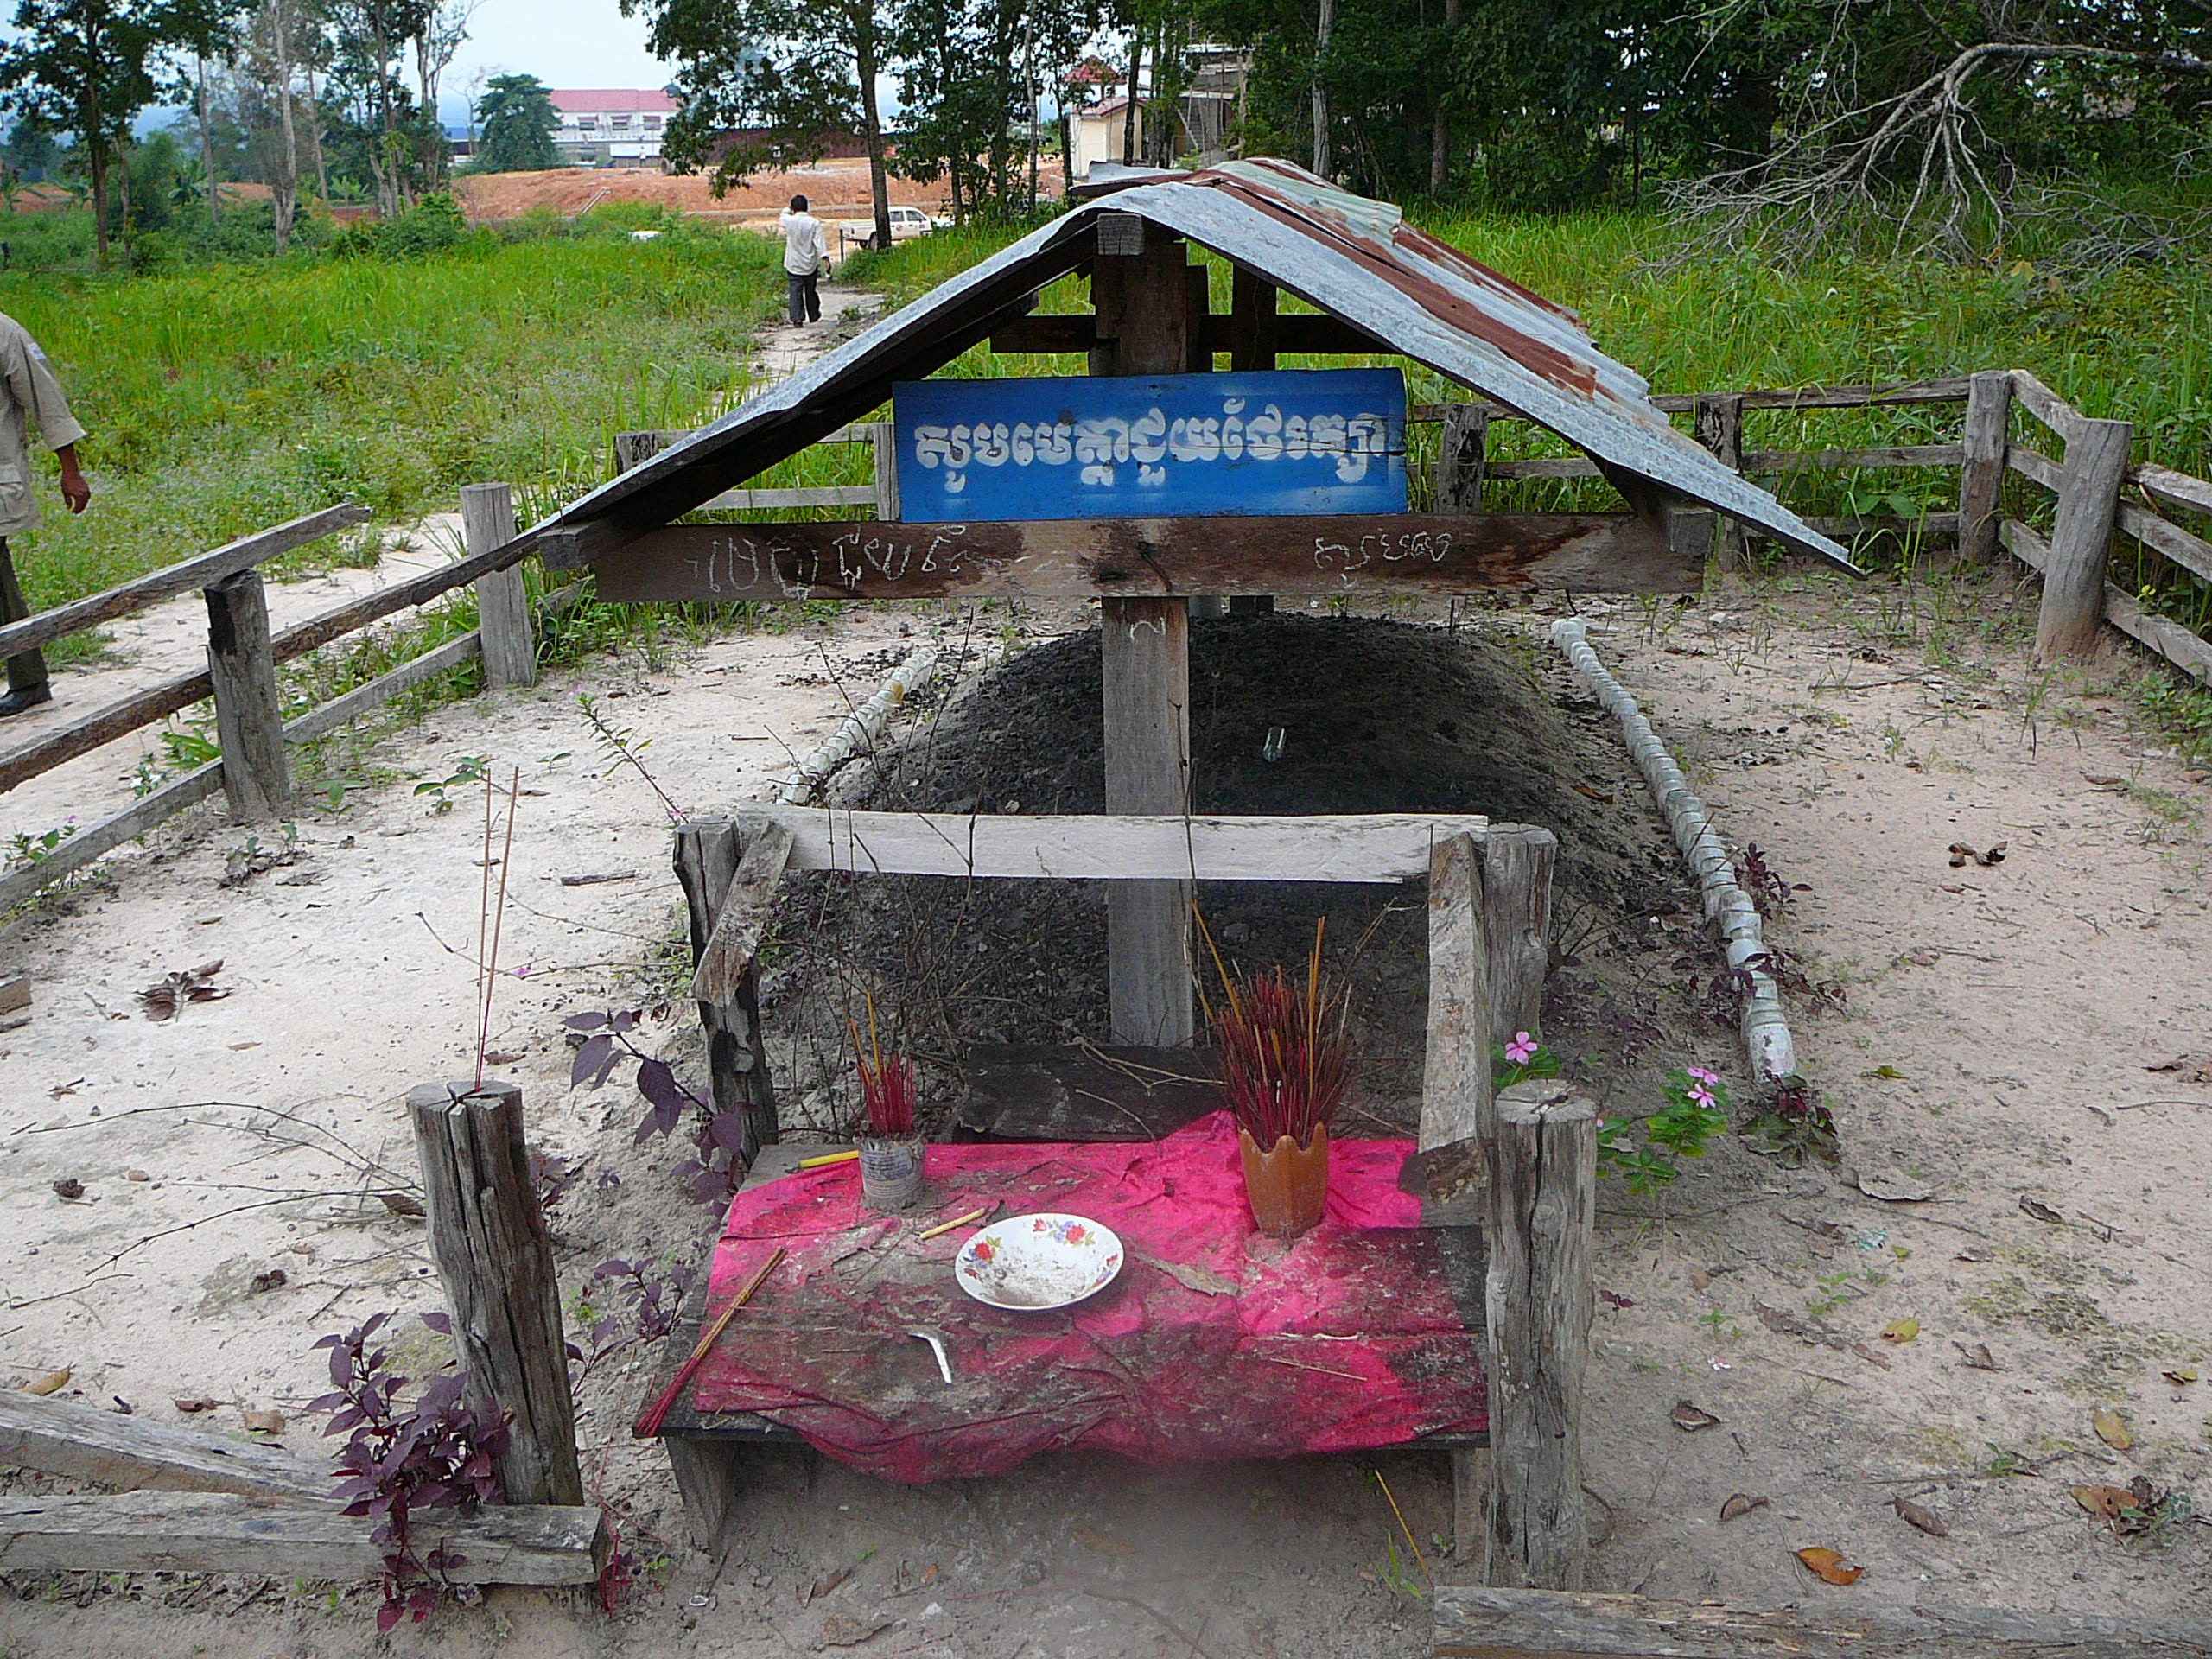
pixel 1766 1031
pixel 862 728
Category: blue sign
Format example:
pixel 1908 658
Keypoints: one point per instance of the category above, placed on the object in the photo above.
pixel 1293 441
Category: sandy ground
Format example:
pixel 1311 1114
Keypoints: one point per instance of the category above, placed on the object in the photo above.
pixel 835 187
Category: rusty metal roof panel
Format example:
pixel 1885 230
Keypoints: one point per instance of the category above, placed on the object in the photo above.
pixel 1344 254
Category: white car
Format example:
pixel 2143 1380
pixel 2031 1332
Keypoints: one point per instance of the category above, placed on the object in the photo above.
pixel 909 221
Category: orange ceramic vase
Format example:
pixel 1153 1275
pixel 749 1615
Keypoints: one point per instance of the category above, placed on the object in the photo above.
pixel 1287 1187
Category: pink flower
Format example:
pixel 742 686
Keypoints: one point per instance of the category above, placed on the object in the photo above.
pixel 1704 1075
pixel 1702 1095
pixel 1521 1049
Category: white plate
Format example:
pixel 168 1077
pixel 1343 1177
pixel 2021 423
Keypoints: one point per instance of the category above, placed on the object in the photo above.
pixel 1033 1263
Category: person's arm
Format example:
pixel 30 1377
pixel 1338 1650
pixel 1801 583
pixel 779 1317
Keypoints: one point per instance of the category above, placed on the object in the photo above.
pixel 74 490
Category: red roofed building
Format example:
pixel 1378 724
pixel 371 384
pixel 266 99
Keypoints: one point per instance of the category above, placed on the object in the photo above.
pixel 620 128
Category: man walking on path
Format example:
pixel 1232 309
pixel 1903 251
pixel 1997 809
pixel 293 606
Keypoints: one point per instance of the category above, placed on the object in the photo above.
pixel 807 250
pixel 33 394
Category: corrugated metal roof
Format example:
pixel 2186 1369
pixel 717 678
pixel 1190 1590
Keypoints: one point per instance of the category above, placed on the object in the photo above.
pixel 1344 254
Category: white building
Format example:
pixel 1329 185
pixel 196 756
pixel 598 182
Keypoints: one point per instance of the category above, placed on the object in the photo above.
pixel 617 128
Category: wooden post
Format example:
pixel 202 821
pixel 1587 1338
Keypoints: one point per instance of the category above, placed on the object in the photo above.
pixel 707 853
pixel 1459 458
pixel 883 441
pixel 1456 1104
pixel 495 1256
pixel 1981 476
pixel 1716 423
pixel 487 522
pixel 2080 540
pixel 1516 892
pixel 1144 649
pixel 249 724
pixel 1251 347
pixel 1539 1301
pixel 1197 359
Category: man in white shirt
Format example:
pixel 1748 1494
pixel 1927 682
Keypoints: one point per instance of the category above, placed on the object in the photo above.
pixel 806 251
pixel 30 393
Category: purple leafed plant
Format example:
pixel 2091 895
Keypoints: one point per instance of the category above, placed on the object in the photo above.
pixel 652 1300
pixel 1770 894
pixel 435 1454
pixel 715 1174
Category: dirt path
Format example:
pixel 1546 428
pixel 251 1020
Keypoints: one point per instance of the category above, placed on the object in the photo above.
pixel 1994 1048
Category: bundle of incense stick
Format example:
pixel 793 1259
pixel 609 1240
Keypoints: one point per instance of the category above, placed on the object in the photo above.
pixel 648 1425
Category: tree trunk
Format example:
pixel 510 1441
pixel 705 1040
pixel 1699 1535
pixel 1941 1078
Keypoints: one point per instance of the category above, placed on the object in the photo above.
pixel 1129 114
pixel 207 146
pixel 96 153
pixel 123 168
pixel 285 187
pixel 1439 137
pixel 315 139
pixel 879 181
pixel 1321 33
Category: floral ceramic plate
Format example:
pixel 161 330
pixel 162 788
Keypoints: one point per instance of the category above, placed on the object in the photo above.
pixel 1039 1261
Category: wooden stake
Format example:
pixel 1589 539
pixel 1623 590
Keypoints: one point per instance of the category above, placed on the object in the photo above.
pixel 2080 540
pixel 487 524
pixel 249 724
pixel 494 1255
pixel 708 854
pixel 1717 423
pixel 648 1425
pixel 1539 1302
pixel 1981 476
pixel 1459 458
pixel 1455 1091
pixel 1516 864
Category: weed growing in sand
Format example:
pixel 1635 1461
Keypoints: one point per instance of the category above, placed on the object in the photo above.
pixel 1696 1111
pixel 713 1174
pixel 1793 1124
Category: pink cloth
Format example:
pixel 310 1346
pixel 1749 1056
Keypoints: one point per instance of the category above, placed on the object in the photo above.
pixel 1214 1342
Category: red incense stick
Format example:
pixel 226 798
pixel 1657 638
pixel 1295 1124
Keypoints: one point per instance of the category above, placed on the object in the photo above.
pixel 648 1425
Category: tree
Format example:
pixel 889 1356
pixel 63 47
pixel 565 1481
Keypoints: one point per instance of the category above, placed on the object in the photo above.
pixel 970 71
pixel 516 118
pixel 770 83
pixel 85 66
pixel 394 134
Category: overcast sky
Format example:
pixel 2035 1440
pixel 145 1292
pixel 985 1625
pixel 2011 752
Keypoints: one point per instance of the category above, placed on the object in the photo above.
pixel 569 43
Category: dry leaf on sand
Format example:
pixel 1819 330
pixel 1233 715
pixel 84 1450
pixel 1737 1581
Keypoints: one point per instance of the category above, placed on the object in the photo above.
pixel 1689 1418
pixel 2111 1430
pixel 843 1630
pixel 264 1422
pixel 1829 1564
pixel 1740 1504
pixel 1901 1329
pixel 1926 1520
pixel 1977 1358
pixel 2041 1212
pixel 52 1382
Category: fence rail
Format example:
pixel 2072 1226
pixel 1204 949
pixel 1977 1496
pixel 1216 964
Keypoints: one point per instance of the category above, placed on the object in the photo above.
pixel 2090 480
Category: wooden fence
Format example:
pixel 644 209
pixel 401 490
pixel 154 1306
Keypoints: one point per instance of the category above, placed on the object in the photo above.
pixel 2098 494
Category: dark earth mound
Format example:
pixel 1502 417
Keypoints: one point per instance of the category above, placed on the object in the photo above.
pixel 1376 716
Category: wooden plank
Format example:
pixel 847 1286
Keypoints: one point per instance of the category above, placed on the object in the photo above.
pixel 1384 554
pixel 2080 540
pixel 343 710
pixel 2046 405
pixel 2192 553
pixel 1540 1298
pixel 2025 545
pixel 102 725
pixel 281 1538
pixel 1144 659
pixel 1717 423
pixel 494 1255
pixel 2178 489
pixel 709 853
pixel 1981 463
pixel 1896 455
pixel 249 724
pixel 510 647
pixel 1456 1104
pixel 1041 1092
pixel 1477 1621
pixel 2034 464
pixel 2176 644
pixel 203 570
pixel 1459 459
pixel 1539 466
pixel 1383 847
pixel 77 1442
pixel 1255 320
pixel 743 917
pixel 1295 333
pixel 777 500
pixel 884 454
pixel 1516 867
pixel 200 784
pixel 1928 524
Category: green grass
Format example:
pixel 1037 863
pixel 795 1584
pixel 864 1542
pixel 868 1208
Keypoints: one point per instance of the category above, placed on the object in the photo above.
pixel 227 397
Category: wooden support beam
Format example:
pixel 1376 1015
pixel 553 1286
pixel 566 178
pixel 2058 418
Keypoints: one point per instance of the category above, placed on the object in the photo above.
pixel 709 853
pixel 1380 847
pixel 884 449
pixel 1539 1299
pixel 1517 888
pixel 1298 333
pixel 487 524
pixel 1459 458
pixel 1455 1102
pixel 1475 1622
pixel 1716 423
pixel 1255 325
pixel 249 723
pixel 743 911
pixel 204 570
pixel 494 1255
pixel 56 1437
pixel 1981 473
pixel 291 1539
pixel 2080 540
pixel 1347 554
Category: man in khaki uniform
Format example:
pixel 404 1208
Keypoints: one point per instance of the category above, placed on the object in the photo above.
pixel 33 394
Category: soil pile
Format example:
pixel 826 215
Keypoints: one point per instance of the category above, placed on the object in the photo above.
pixel 1375 716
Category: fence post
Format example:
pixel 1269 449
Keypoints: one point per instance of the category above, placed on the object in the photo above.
pixel 1459 458
pixel 707 855
pixel 1539 1299
pixel 495 1257
pixel 1716 423
pixel 487 522
pixel 2080 540
pixel 249 723
pixel 1516 894
pixel 882 438
pixel 1455 1091
pixel 1981 474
